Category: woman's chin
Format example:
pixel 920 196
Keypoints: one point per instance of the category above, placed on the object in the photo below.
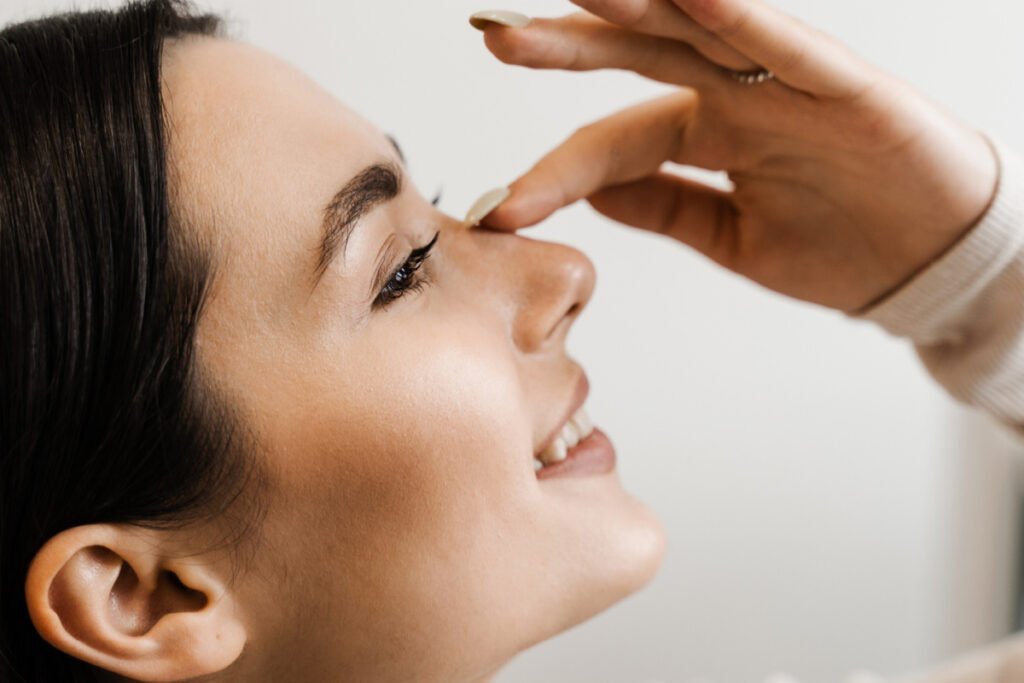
pixel 642 547
pixel 625 557
pixel 627 539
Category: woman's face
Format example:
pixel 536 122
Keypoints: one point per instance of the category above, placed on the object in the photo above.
pixel 407 535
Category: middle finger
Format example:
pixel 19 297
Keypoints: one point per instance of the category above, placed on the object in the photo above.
pixel 664 19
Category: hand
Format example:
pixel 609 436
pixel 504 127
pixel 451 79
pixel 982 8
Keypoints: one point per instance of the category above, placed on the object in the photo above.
pixel 846 181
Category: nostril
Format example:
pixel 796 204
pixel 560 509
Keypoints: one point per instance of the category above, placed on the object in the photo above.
pixel 566 321
pixel 558 283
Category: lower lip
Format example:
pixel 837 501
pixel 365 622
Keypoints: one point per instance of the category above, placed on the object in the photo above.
pixel 594 455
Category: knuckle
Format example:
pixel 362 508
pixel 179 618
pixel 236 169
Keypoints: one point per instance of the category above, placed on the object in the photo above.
pixel 791 59
pixel 733 25
pixel 574 60
pixel 625 13
pixel 613 160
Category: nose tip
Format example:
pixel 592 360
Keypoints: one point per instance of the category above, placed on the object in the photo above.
pixel 561 285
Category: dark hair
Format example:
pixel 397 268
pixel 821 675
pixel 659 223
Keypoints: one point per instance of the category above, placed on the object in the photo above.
pixel 106 415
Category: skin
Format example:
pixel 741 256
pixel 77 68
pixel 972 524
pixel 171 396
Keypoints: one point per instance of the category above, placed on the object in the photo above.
pixel 847 181
pixel 407 537
pixel 405 519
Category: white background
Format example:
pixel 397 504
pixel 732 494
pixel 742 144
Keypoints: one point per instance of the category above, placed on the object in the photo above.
pixel 828 508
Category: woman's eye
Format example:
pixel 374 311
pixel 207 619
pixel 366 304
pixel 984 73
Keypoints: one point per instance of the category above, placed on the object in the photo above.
pixel 402 282
pixel 407 278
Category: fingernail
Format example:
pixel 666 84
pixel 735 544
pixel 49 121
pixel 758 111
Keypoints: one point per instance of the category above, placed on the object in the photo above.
pixel 498 16
pixel 486 204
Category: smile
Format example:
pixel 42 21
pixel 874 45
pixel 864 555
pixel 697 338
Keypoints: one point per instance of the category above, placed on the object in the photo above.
pixel 576 429
pixel 577 447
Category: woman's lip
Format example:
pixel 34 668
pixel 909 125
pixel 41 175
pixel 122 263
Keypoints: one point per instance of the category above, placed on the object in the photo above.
pixel 579 397
pixel 594 455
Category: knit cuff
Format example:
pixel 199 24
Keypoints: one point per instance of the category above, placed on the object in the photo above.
pixel 931 308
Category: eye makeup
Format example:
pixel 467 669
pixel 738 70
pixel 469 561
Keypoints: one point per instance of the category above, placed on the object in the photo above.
pixel 406 278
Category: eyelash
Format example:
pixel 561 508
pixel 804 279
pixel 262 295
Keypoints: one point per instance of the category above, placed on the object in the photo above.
pixel 405 280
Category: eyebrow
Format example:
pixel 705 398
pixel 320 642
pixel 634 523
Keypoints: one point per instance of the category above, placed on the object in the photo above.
pixel 371 187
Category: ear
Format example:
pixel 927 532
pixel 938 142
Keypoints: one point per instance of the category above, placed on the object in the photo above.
pixel 111 595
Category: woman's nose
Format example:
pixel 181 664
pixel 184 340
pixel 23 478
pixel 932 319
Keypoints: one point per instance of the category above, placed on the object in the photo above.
pixel 556 282
pixel 538 288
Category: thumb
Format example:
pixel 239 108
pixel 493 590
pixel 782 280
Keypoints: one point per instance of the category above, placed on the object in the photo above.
pixel 530 200
pixel 697 215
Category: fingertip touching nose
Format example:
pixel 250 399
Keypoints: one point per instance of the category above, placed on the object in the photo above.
pixel 551 282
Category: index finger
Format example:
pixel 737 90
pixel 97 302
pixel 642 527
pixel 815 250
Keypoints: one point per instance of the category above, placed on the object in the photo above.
pixel 626 146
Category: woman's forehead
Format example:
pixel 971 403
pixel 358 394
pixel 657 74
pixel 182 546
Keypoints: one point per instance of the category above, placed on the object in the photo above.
pixel 235 112
pixel 259 147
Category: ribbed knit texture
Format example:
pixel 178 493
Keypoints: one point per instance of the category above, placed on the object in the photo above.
pixel 965 317
pixel 965 312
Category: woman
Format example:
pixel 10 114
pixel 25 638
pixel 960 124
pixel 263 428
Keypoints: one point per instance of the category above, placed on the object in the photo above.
pixel 277 416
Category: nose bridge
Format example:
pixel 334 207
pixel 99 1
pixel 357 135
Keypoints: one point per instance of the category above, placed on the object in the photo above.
pixel 539 287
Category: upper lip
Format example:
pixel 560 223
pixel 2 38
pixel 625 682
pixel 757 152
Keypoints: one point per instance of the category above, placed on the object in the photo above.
pixel 578 398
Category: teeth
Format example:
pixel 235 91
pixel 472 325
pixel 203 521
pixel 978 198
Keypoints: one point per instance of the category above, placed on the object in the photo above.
pixel 575 430
pixel 570 434
pixel 582 423
pixel 556 452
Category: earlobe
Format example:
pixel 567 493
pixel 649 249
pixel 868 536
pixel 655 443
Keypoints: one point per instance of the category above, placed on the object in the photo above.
pixel 112 596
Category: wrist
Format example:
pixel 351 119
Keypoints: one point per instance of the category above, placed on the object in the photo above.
pixel 935 304
pixel 984 174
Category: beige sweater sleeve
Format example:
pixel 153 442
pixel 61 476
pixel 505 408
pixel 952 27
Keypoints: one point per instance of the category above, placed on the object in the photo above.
pixel 965 316
pixel 965 312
